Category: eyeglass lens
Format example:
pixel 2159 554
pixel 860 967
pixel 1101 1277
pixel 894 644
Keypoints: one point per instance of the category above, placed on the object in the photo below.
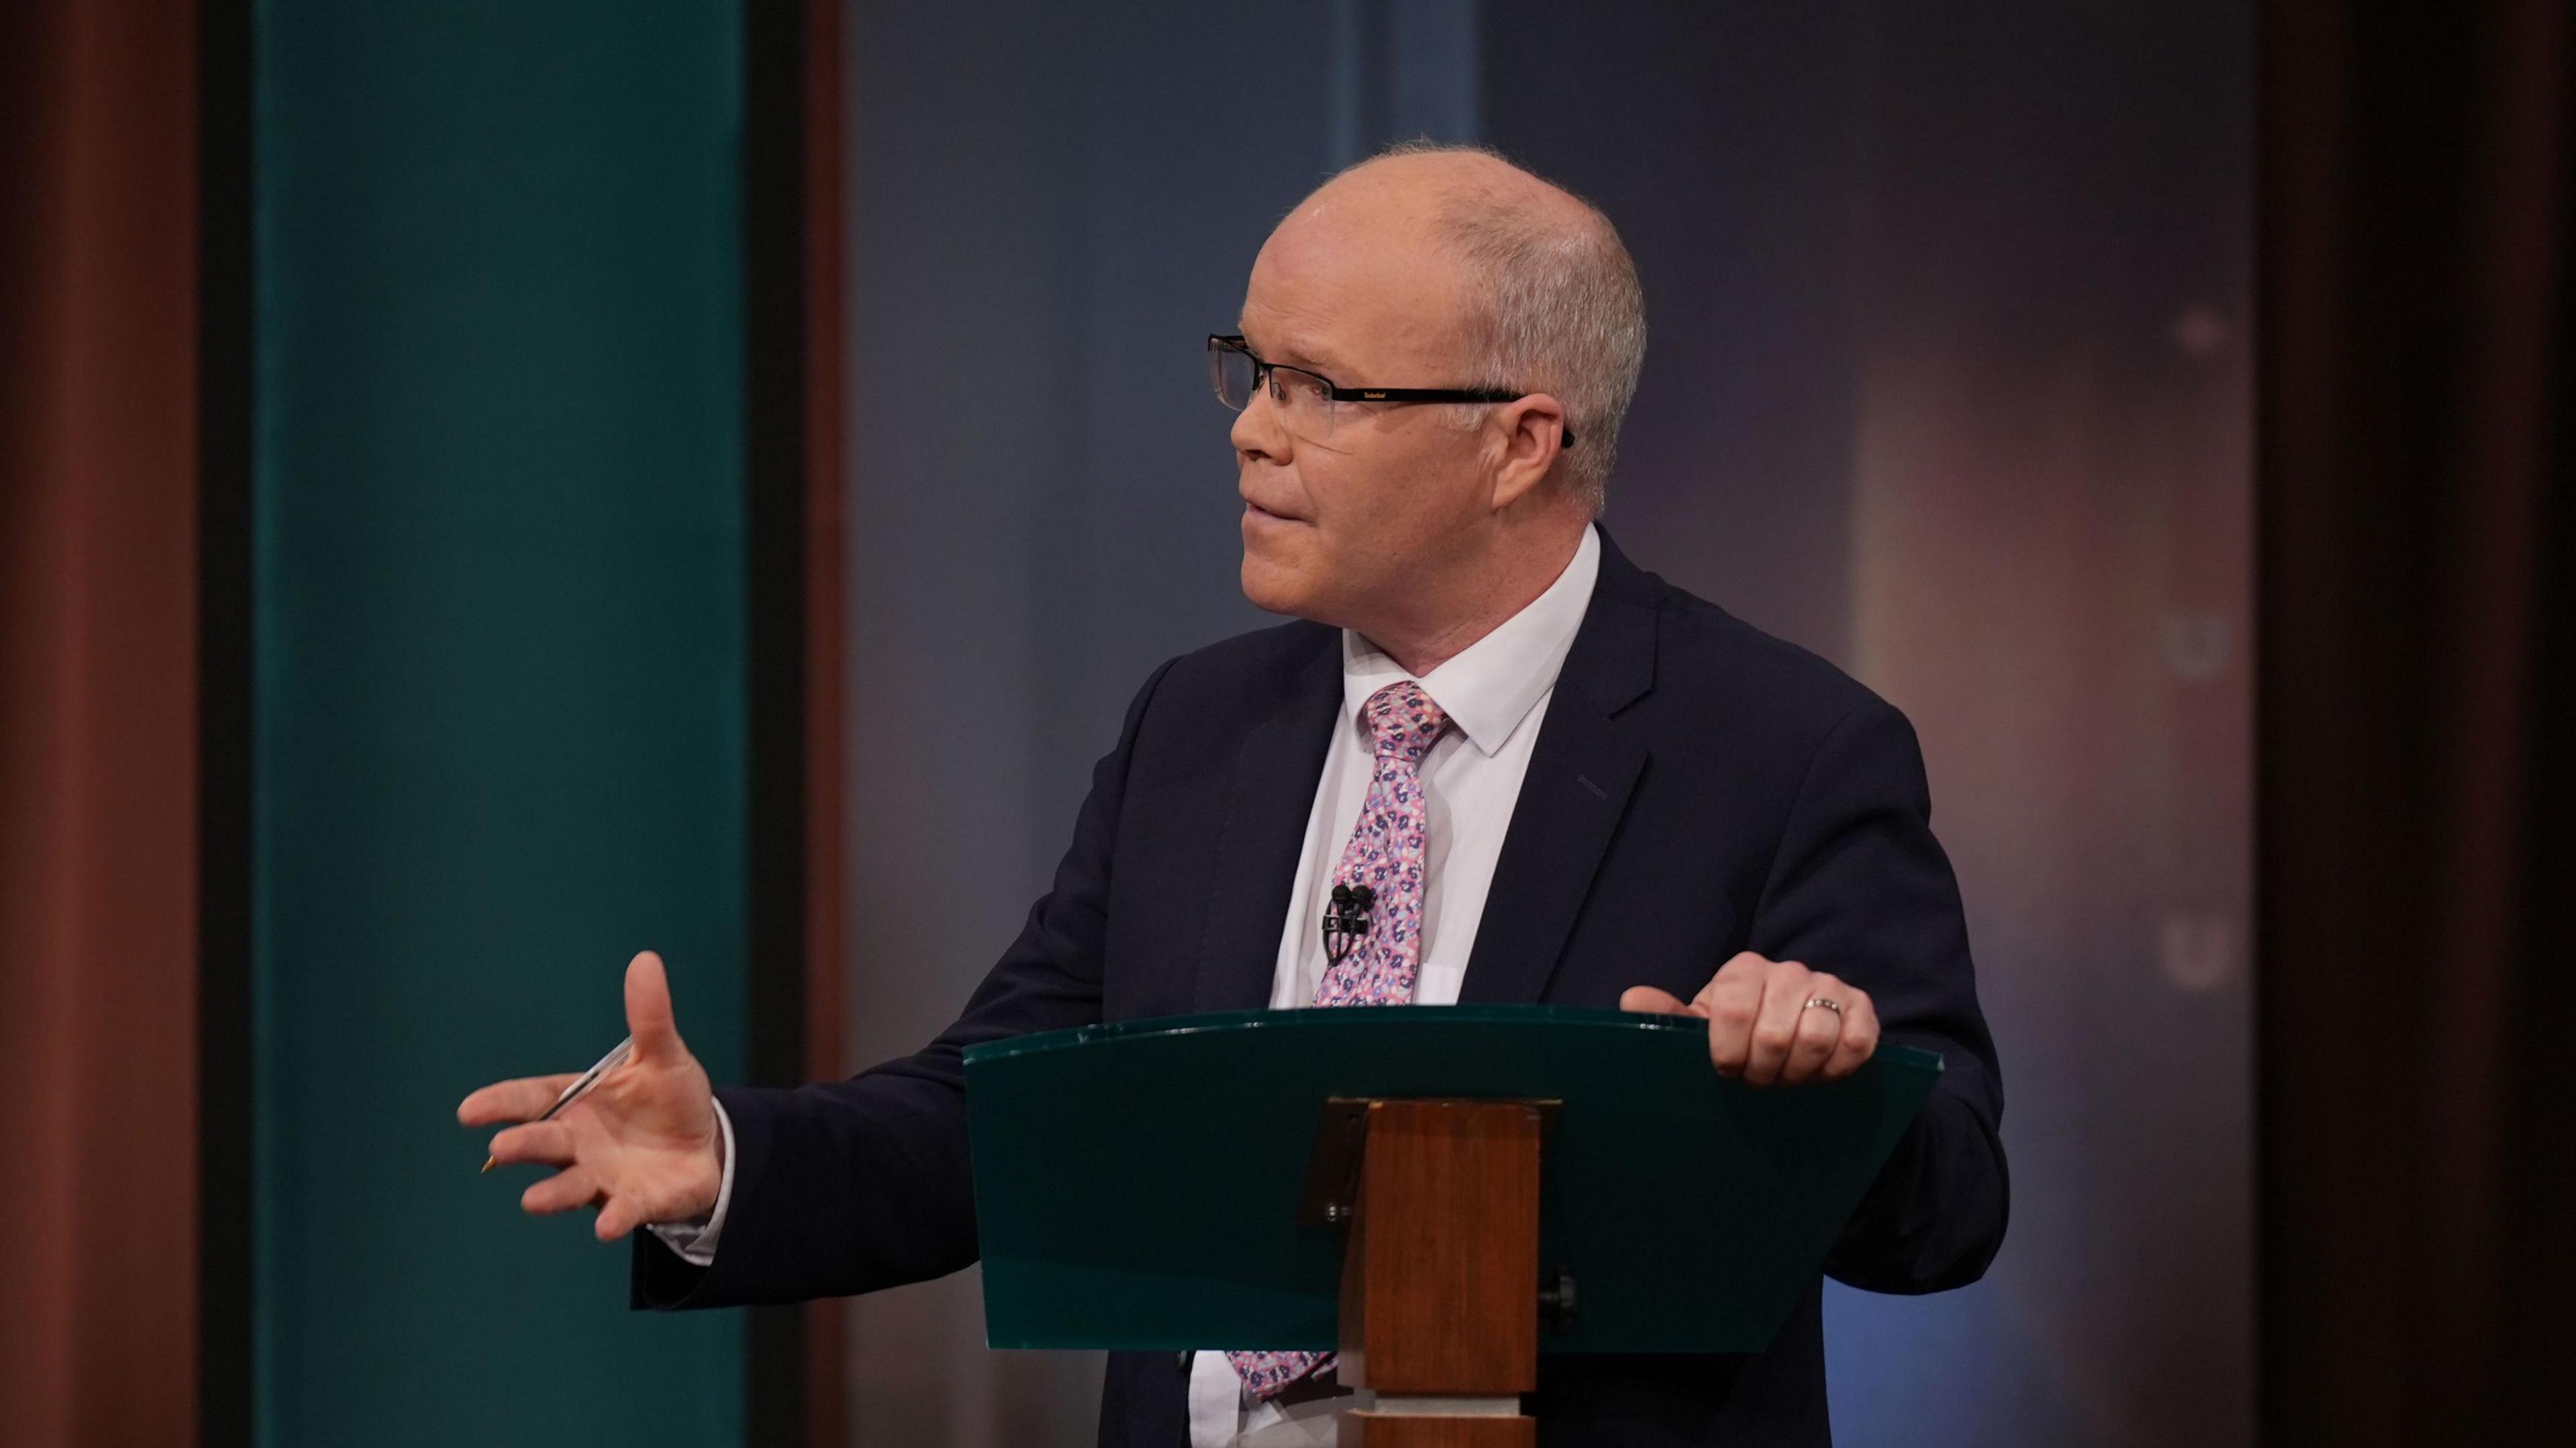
pixel 1232 369
pixel 1305 405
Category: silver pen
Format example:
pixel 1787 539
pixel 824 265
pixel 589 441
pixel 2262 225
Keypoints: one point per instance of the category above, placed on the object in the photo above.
pixel 581 1086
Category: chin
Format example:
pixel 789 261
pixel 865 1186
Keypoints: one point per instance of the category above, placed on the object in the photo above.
pixel 1271 587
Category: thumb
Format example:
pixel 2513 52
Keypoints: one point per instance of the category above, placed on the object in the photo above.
pixel 648 1009
pixel 1647 999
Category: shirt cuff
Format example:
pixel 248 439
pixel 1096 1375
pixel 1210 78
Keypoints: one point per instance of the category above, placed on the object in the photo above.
pixel 695 1242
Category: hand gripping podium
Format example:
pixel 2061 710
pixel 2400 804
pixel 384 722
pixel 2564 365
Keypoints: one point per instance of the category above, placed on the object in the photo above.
pixel 1439 1193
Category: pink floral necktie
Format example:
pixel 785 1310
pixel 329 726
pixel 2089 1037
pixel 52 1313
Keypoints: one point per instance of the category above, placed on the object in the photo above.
pixel 1386 854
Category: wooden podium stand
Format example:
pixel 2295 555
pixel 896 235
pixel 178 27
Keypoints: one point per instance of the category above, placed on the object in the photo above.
pixel 1440 1275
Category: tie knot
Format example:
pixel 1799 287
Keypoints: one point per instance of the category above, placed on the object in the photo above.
pixel 1404 721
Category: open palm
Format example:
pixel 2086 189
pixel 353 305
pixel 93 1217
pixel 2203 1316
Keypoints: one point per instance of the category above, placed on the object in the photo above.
pixel 643 1146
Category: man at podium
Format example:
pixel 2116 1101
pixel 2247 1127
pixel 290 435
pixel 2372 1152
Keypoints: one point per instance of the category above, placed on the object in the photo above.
pixel 1490 760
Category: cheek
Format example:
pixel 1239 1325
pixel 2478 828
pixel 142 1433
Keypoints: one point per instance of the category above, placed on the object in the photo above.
pixel 1355 518
pixel 1376 512
pixel 1384 505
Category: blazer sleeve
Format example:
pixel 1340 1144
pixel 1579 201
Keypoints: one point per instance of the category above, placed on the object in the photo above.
pixel 848 1186
pixel 1860 888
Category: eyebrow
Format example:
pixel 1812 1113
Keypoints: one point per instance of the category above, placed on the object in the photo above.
pixel 1291 353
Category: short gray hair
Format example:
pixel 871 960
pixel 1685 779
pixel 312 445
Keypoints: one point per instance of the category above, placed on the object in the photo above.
pixel 1558 310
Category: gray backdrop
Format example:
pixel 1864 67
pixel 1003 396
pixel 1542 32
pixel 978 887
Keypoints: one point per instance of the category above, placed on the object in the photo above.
pixel 1948 381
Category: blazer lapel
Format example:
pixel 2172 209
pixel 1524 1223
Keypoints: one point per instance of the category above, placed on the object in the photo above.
pixel 1257 848
pixel 1581 773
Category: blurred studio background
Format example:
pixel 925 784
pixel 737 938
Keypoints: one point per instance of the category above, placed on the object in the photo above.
pixel 490 487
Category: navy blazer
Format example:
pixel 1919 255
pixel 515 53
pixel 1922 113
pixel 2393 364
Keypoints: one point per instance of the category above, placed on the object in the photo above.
pixel 1697 788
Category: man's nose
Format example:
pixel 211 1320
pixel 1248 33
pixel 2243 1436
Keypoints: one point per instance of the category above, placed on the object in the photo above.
pixel 1257 433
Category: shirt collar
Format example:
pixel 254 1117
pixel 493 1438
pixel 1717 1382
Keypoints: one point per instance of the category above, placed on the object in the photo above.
pixel 1491 685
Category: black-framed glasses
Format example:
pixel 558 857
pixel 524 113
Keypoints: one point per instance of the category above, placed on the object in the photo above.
pixel 1306 398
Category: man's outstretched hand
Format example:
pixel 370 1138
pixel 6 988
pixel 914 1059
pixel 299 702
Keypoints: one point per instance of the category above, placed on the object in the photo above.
pixel 642 1147
pixel 1761 1027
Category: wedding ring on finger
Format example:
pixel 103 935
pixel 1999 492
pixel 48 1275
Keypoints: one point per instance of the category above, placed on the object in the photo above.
pixel 1832 1005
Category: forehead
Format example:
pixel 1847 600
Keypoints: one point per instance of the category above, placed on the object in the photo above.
pixel 1358 286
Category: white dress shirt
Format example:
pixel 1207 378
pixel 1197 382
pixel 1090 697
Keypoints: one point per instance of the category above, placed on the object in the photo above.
pixel 1495 693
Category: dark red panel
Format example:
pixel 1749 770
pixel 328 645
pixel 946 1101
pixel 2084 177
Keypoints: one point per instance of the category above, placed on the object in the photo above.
pixel 825 1340
pixel 98 718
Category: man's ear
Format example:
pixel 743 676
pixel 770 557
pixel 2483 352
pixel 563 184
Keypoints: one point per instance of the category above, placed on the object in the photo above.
pixel 1530 432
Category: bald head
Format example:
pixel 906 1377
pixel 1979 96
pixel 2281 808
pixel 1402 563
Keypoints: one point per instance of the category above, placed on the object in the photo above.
pixel 1540 295
pixel 1435 182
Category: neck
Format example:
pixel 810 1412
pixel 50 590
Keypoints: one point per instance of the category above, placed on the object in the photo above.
pixel 1488 597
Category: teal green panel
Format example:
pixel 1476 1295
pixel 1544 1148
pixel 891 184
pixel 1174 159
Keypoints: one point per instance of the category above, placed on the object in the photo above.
pixel 1096 1234
pixel 499 603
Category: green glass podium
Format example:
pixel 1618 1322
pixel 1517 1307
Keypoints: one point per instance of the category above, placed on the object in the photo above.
pixel 1439 1193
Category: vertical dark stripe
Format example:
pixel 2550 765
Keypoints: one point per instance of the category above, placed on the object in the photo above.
pixel 2418 181
pixel 774 462
pixel 224 372
pixel 826 1340
pixel 774 495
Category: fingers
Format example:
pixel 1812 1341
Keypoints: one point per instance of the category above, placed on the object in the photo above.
pixel 617 1217
pixel 1732 1001
pixel 1762 1030
pixel 648 1010
pixel 1859 1039
pixel 572 1187
pixel 576 1187
pixel 1647 1000
pixel 545 1141
pixel 1816 1031
pixel 1775 1022
pixel 511 1100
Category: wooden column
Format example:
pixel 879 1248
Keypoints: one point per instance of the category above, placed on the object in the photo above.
pixel 1440 1276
